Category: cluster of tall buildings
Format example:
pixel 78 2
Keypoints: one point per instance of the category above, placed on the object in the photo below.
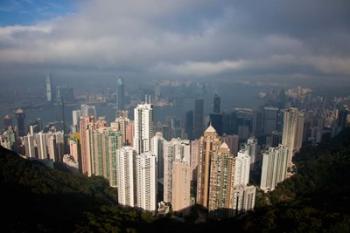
pixel 210 162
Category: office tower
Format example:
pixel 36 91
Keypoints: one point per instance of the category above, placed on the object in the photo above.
pixel 274 167
pixel 85 165
pixel 7 120
pixel 121 124
pixel 232 141
pixel 29 146
pixel 244 198
pixel 125 175
pixel 189 125
pixel 270 115
pixel 216 104
pixel 120 98
pixel 146 181
pixel 181 185
pixel 216 120
pixel 21 129
pixel 242 168
pixel 221 182
pixel 209 144
pixel 143 127
pixel 40 139
pixel 88 110
pixel 293 125
pixel 75 120
pixel 48 88
pixel 104 143
pixel 198 118
pixel 230 123
pixel 157 146
pixel 176 149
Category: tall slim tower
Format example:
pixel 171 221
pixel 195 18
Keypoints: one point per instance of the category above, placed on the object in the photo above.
pixel 126 180
pixel 198 117
pixel 274 167
pixel 143 126
pixel 293 126
pixel 120 98
pixel 176 149
pixel 209 144
pixel 21 129
pixel 48 88
pixel 221 182
pixel 146 181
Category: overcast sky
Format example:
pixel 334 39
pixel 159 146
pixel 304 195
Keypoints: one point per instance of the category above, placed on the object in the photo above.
pixel 178 38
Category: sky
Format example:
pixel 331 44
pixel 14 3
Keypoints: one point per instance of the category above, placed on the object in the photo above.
pixel 279 39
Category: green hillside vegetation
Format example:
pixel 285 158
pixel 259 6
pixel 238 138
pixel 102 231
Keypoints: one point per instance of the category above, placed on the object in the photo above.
pixel 35 198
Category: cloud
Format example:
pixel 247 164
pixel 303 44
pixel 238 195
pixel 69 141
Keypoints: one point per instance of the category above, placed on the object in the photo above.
pixel 188 38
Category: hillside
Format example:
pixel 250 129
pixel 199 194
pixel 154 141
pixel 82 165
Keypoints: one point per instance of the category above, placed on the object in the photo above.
pixel 35 198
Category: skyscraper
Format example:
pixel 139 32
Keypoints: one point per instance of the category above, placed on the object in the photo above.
pixel 143 127
pixel 146 181
pixel 126 177
pixel 85 165
pixel 48 88
pixel 121 124
pixel 120 98
pixel 21 129
pixel 274 167
pixel 181 185
pixel 179 150
pixel 157 148
pixel 198 118
pixel 216 104
pixel 104 143
pixel 293 125
pixel 242 168
pixel 209 144
pixel 221 182
pixel 216 120
pixel 244 198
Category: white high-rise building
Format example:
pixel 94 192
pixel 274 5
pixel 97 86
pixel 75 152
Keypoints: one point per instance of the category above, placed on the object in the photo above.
pixel 176 149
pixel 40 139
pixel 146 181
pixel 274 167
pixel 242 168
pixel 143 127
pixel 244 198
pixel 157 148
pixel 126 180
pixel 293 126
pixel 29 145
